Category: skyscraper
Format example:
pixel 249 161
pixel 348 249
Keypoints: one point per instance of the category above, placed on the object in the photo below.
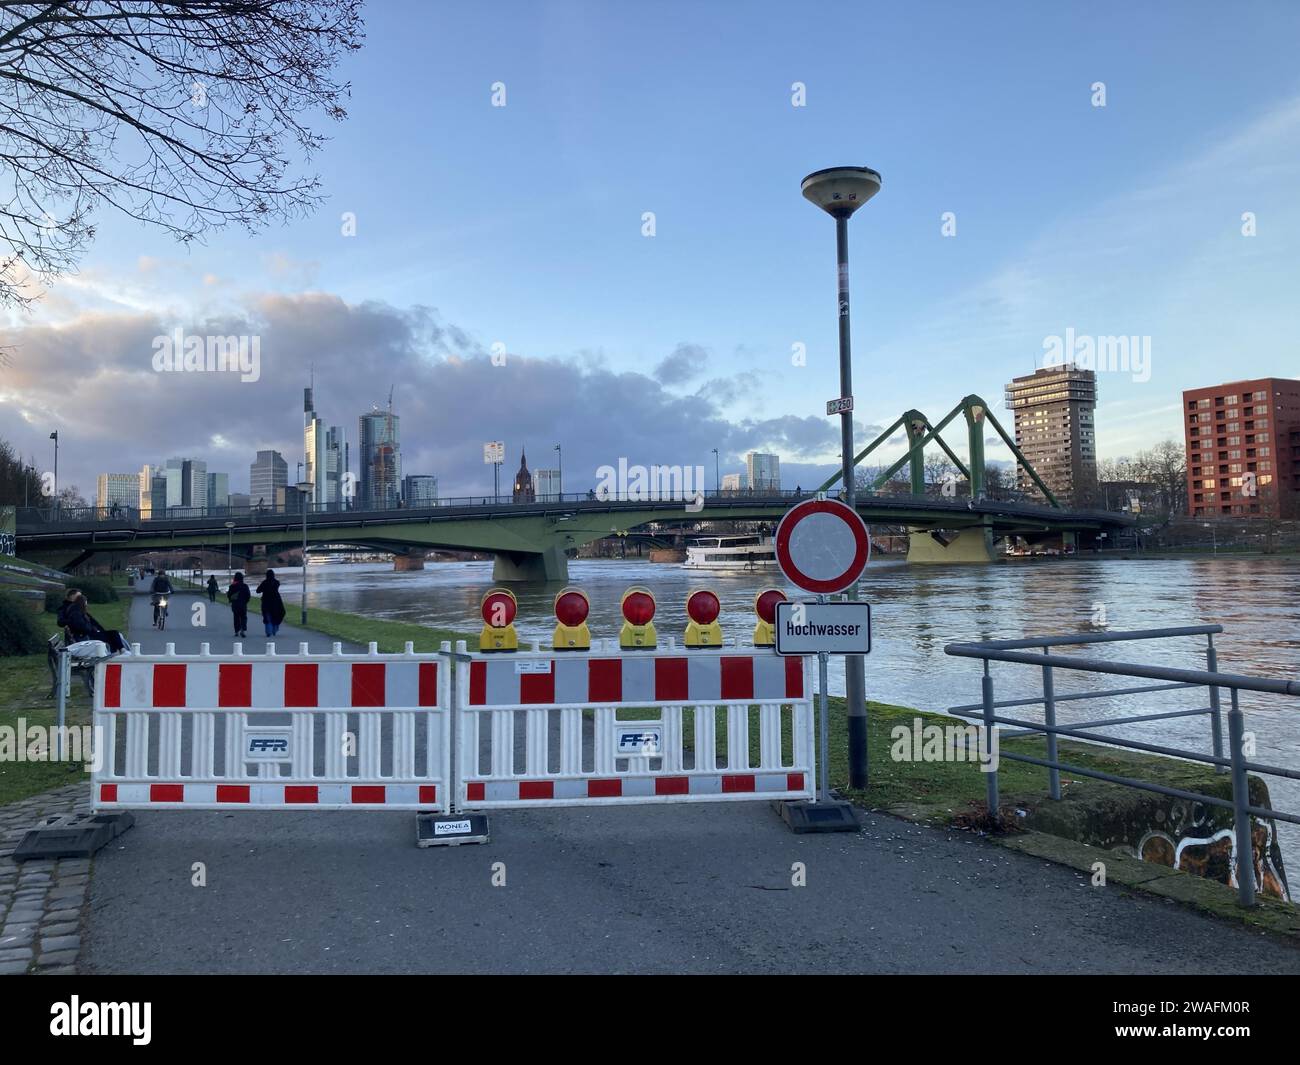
pixel 313 446
pixel 1054 411
pixel 152 492
pixel 546 484
pixel 267 474
pixel 117 490
pixel 336 464
pixel 380 460
pixel 1240 455
pixel 763 472
pixel 218 490
pixel 419 490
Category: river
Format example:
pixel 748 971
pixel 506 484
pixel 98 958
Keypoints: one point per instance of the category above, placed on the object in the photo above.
pixel 916 610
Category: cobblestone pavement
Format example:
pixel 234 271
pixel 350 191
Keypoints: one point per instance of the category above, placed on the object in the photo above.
pixel 41 902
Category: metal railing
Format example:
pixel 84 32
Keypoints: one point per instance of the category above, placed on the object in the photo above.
pixel 121 517
pixel 1235 761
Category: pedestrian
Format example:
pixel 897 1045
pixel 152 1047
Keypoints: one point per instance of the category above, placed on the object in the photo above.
pixel 212 588
pixel 238 595
pixel 74 617
pixel 272 604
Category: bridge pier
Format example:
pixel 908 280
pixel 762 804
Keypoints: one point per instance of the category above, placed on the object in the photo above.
pixel 967 545
pixel 413 560
pixel 549 565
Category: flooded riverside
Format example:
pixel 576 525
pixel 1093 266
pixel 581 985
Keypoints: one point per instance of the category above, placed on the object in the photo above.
pixel 916 610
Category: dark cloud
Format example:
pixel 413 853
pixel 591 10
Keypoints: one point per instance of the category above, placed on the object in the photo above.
pixel 94 381
pixel 686 361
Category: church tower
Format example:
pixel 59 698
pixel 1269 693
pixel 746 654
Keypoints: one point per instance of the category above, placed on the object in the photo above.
pixel 524 482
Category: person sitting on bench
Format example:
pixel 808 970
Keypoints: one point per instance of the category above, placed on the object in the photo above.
pixel 74 617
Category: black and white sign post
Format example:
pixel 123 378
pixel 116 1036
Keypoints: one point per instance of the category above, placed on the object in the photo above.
pixel 822 546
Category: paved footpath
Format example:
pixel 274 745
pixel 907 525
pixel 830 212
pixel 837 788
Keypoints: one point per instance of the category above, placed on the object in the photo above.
pixel 663 889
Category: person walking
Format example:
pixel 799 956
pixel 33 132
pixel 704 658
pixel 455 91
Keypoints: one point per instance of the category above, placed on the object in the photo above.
pixel 238 595
pixel 212 588
pixel 272 604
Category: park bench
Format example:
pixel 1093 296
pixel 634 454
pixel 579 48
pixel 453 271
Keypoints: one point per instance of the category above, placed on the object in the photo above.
pixel 85 668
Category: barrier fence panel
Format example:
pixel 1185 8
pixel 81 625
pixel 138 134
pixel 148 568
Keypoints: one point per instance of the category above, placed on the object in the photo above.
pixel 557 729
pixel 312 731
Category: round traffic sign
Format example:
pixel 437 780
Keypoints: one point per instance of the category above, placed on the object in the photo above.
pixel 822 546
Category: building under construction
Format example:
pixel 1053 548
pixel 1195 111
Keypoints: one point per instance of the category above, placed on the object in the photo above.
pixel 380 474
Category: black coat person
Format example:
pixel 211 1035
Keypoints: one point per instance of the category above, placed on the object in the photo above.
pixel 74 617
pixel 238 596
pixel 272 604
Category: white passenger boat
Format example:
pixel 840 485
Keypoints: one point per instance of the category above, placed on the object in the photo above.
pixel 736 553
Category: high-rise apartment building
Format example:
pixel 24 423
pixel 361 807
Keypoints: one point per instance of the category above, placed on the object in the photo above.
pixel 1055 411
pixel 266 476
pixel 1242 457
pixel 380 460
pixel 762 472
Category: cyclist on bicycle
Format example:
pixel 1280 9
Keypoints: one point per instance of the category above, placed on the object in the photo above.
pixel 158 593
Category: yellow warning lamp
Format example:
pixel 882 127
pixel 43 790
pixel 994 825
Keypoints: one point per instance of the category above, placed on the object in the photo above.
pixel 571 610
pixel 703 608
pixel 498 609
pixel 638 632
pixel 765 607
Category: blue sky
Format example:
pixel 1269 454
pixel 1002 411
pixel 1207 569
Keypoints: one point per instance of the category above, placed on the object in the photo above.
pixel 523 224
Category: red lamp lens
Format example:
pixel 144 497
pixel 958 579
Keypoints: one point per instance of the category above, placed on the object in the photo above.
pixel 638 608
pixel 703 608
pixel 766 605
pixel 571 608
pixel 498 610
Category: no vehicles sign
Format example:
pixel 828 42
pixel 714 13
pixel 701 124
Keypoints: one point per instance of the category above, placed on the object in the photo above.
pixel 823 628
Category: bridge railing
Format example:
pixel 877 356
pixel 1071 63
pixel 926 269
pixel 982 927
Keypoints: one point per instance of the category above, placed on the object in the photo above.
pixel 133 517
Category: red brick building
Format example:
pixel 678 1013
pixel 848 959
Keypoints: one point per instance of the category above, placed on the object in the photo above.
pixel 1243 449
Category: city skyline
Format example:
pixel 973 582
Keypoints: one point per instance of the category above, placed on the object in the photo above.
pixel 501 323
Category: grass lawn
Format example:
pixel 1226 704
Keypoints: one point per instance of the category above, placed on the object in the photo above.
pixel 24 687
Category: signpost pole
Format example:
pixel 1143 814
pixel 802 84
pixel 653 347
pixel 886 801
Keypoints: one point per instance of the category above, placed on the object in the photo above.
pixel 823 725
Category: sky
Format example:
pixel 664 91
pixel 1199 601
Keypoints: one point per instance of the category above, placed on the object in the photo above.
pixel 1013 208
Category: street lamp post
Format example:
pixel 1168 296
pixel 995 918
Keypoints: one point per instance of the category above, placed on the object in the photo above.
pixel 559 472
pixel 230 544
pixel 55 437
pixel 304 489
pixel 717 474
pixel 839 191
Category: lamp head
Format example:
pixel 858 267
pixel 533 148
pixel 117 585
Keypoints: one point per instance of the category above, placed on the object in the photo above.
pixel 841 190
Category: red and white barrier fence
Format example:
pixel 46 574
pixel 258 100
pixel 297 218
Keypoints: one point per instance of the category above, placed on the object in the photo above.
pixel 298 731
pixel 540 728
pixel 551 728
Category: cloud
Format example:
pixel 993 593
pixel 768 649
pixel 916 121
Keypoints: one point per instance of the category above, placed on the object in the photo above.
pixel 685 362
pixel 92 378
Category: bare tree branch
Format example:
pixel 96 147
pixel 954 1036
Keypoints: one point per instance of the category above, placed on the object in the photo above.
pixel 186 115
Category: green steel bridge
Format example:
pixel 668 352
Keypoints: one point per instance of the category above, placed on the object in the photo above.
pixel 532 541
